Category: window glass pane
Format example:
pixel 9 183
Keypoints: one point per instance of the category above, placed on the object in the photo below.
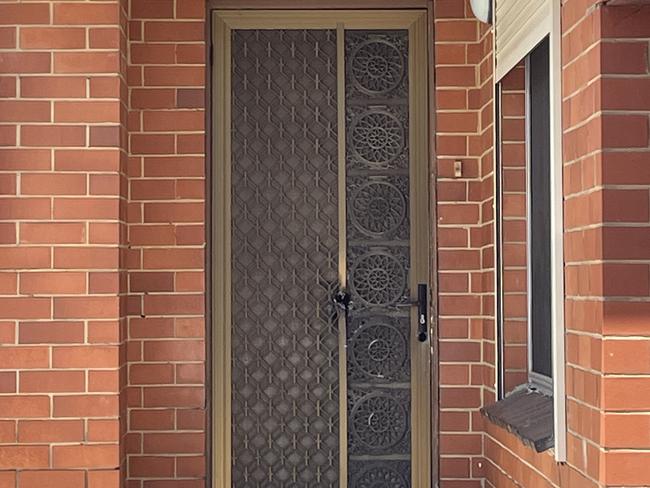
pixel 540 209
pixel 512 247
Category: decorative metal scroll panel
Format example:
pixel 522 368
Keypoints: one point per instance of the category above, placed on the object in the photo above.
pixel 378 259
pixel 285 372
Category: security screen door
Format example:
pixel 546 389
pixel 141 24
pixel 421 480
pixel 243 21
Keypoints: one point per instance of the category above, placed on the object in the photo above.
pixel 321 330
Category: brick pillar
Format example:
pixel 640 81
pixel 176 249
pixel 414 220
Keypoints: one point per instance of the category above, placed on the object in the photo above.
pixel 583 318
pixel 623 197
pixel 166 439
pixel 463 126
pixel 61 191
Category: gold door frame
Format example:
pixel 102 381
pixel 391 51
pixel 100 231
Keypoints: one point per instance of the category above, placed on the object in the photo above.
pixel 422 408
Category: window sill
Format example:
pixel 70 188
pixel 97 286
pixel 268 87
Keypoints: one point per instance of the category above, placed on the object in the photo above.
pixel 528 414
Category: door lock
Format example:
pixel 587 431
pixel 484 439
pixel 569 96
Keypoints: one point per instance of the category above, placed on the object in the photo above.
pixel 342 299
pixel 423 307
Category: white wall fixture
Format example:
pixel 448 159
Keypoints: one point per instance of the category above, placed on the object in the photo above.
pixel 482 10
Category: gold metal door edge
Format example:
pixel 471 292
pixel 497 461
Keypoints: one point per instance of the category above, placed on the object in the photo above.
pixel 415 21
pixel 221 300
pixel 419 206
pixel 342 320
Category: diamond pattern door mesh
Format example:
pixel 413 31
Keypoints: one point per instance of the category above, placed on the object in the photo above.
pixel 285 358
pixel 285 420
pixel 378 257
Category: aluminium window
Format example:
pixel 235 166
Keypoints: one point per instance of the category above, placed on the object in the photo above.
pixel 529 264
pixel 524 208
pixel 528 285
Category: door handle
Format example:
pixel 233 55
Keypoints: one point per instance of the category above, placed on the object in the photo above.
pixel 342 300
pixel 423 307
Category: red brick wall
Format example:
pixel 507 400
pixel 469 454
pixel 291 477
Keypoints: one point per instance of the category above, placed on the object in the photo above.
pixel 61 231
pixel 463 74
pixel 606 145
pixel 621 278
pixel 166 350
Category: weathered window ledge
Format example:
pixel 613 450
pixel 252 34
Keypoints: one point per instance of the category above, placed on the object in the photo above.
pixel 528 414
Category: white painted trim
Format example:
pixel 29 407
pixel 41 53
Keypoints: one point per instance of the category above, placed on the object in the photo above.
pixel 496 211
pixel 497 206
pixel 557 233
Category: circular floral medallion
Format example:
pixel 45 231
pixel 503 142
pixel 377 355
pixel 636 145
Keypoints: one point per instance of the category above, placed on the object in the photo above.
pixel 377 67
pixel 379 421
pixel 377 137
pixel 378 278
pixel 378 349
pixel 377 208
